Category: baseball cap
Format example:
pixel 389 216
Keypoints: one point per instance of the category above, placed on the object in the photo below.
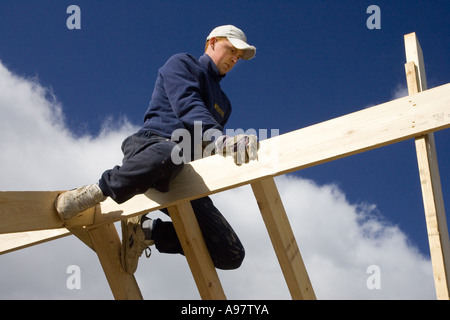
pixel 237 39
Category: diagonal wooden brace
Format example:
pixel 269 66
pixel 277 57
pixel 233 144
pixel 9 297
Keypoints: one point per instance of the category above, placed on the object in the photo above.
pixel 107 245
pixel 283 239
pixel 197 255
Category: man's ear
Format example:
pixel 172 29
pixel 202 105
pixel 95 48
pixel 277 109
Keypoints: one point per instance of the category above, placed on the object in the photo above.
pixel 212 42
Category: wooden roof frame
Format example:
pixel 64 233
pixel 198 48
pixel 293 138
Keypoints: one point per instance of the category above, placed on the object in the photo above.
pixel 29 218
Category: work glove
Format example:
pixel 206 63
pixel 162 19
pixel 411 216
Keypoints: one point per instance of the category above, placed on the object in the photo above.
pixel 241 147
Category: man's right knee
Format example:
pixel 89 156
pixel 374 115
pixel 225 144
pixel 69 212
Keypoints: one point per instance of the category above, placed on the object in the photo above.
pixel 169 170
pixel 230 260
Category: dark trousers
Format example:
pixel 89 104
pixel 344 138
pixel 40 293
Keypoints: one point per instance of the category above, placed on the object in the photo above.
pixel 147 164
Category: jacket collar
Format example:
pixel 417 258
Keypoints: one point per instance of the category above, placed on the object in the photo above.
pixel 209 66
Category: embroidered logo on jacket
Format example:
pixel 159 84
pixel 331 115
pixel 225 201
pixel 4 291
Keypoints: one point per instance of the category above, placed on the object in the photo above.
pixel 220 111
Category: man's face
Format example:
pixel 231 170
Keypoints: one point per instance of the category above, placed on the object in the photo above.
pixel 224 54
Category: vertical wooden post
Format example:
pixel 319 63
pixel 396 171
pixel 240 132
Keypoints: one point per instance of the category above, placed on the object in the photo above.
pixel 107 245
pixel 283 240
pixel 196 252
pixel 429 176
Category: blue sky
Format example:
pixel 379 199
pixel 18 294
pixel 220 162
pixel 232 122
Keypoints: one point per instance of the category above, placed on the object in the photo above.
pixel 316 60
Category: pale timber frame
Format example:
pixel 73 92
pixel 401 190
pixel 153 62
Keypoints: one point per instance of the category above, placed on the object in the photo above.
pixel 429 175
pixel 29 218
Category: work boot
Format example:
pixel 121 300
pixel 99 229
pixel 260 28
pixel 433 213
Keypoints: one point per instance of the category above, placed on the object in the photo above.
pixel 70 203
pixel 134 242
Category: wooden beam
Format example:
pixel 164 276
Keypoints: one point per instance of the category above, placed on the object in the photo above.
pixel 364 130
pixel 357 132
pixel 33 211
pixel 82 234
pixel 196 253
pixel 283 239
pixel 429 176
pixel 414 54
pixel 107 245
pixel 10 242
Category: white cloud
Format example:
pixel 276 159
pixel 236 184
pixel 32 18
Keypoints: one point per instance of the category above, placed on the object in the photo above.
pixel 38 151
pixel 400 91
pixel 338 240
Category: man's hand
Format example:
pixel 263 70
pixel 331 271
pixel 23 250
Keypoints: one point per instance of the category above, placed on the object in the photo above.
pixel 242 147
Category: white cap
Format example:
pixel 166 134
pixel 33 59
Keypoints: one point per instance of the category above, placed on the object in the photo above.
pixel 237 39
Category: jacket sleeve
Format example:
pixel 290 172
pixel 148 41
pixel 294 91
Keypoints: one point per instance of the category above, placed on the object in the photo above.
pixel 182 80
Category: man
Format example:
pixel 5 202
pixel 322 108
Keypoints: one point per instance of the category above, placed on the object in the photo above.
pixel 187 90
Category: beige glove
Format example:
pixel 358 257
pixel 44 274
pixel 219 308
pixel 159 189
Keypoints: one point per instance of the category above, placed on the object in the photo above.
pixel 242 147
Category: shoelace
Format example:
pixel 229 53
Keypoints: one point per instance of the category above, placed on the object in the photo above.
pixel 148 252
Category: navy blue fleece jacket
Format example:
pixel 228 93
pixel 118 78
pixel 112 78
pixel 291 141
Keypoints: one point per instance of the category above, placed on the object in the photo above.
pixel 187 90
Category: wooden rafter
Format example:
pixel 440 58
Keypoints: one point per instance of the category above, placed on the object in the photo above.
pixel 370 128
